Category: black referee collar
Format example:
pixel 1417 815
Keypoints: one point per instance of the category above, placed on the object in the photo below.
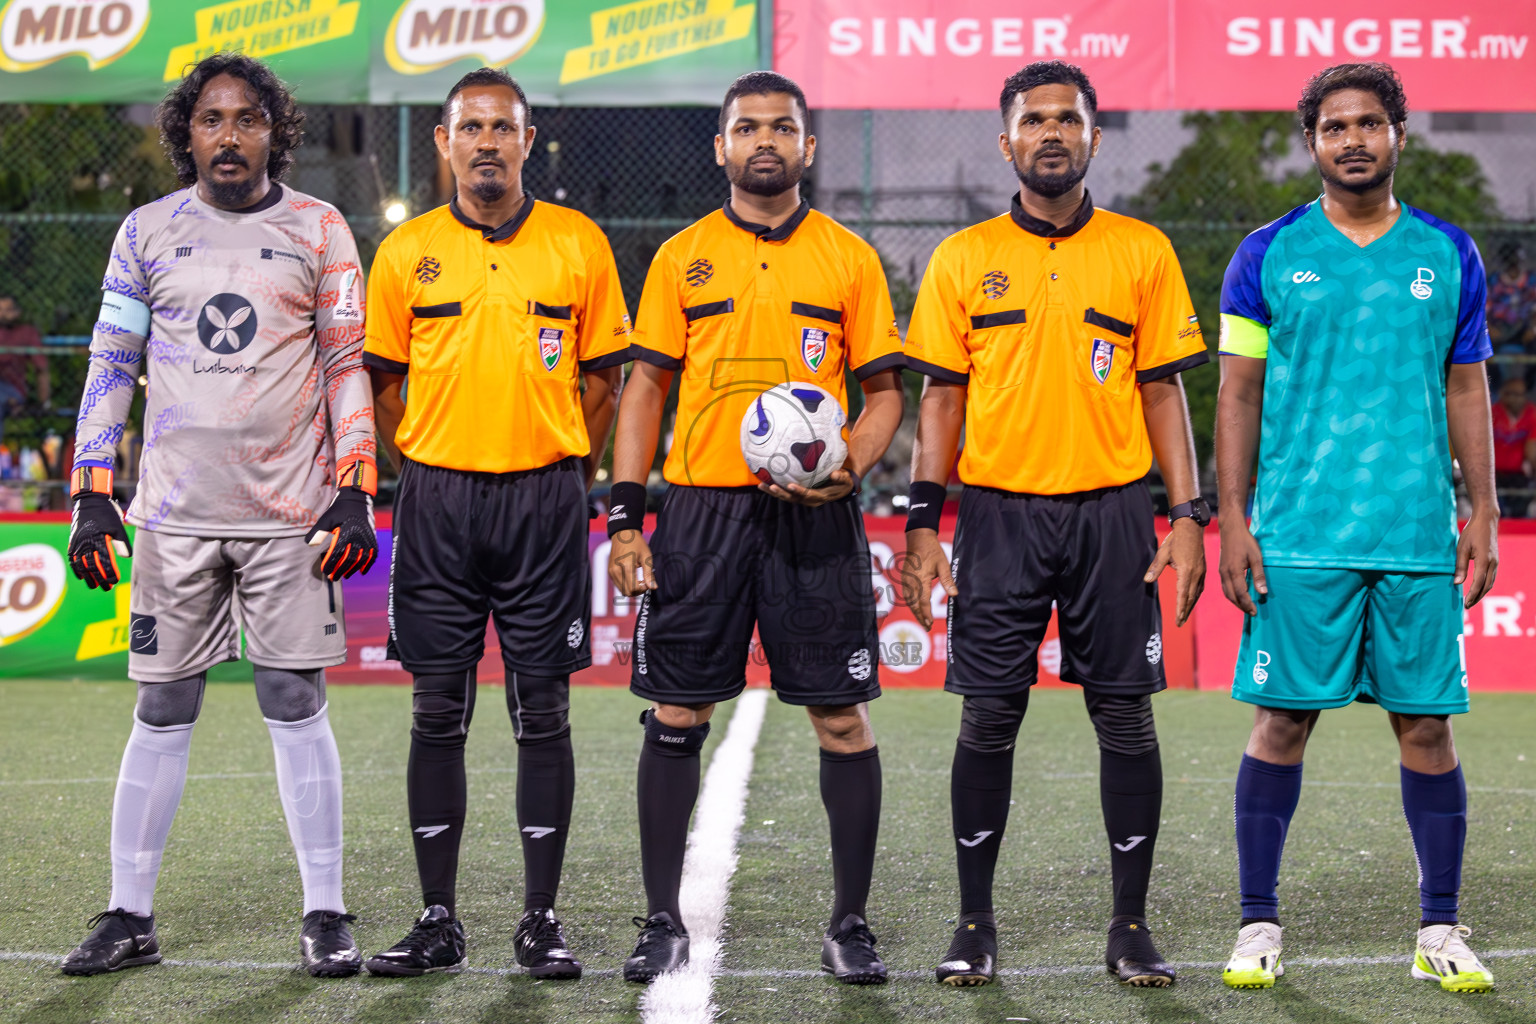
pixel 763 231
pixel 1044 228
pixel 491 234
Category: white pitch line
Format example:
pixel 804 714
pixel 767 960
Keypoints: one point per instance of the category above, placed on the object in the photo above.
pixel 684 996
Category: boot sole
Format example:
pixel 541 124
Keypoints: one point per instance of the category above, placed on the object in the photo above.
pixel 396 971
pixel 561 973
pixel 333 970
pixel 966 980
pixel 136 961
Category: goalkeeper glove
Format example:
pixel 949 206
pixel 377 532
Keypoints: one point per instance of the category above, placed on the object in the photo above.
pixel 96 532
pixel 348 524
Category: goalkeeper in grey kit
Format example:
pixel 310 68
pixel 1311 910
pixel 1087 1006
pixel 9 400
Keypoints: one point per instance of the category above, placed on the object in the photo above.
pixel 242 300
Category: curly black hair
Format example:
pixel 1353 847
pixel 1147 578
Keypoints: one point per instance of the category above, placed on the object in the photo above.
pixel 174 115
pixel 1375 77
pixel 1048 72
pixel 486 77
pixel 762 83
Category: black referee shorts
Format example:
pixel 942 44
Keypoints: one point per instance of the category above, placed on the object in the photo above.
pixel 512 546
pixel 1015 554
pixel 729 558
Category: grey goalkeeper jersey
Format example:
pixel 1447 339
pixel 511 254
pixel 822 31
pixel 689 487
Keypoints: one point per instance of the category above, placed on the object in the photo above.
pixel 249 327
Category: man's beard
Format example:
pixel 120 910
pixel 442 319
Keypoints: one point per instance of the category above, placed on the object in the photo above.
pixel 488 190
pixel 1049 186
pixel 232 195
pixel 1360 186
pixel 772 183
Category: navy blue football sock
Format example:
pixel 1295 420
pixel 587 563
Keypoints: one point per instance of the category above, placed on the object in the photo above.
pixel 1436 809
pixel 1266 798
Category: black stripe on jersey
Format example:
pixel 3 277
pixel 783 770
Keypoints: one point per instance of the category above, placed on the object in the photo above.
pixel 693 313
pixel 649 355
pixel 378 362
pixel 889 361
pixel 1109 323
pixel 1169 369
pixel 1001 318
pixel 618 358
pixel 441 309
pixel 831 316
pixel 937 372
pixel 553 312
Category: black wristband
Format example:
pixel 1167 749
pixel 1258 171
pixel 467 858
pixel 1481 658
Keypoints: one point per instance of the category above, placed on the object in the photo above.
pixel 925 504
pixel 858 481
pixel 626 507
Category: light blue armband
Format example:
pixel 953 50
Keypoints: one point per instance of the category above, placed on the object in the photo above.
pixel 125 312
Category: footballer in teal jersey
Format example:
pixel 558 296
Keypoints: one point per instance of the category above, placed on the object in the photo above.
pixel 1353 342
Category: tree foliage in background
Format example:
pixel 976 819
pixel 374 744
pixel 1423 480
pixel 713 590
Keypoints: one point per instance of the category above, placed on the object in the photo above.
pixel 1227 182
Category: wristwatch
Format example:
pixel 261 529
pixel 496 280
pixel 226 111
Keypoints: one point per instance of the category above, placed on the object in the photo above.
pixel 1199 510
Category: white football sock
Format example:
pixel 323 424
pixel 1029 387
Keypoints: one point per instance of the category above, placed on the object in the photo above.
pixel 309 782
pixel 149 786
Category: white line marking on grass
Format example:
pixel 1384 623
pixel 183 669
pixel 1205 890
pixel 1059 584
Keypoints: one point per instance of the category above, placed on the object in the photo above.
pixel 683 996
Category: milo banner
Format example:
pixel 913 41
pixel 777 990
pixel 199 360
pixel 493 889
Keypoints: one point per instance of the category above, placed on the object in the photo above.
pixel 574 52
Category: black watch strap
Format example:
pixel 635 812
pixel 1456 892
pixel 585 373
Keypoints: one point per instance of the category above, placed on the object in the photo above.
pixel 1199 510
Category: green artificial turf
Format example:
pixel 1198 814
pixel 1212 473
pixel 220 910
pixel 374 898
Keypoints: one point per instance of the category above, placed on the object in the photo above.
pixel 229 891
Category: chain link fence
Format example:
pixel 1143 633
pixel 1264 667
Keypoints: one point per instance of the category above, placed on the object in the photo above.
pixel 902 179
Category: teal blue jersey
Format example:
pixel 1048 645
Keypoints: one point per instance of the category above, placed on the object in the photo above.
pixel 1354 455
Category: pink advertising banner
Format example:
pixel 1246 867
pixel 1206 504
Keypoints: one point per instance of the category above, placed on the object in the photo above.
pixel 1166 54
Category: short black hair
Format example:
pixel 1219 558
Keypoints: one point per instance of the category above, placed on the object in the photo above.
pixel 1048 72
pixel 486 76
pixel 762 83
pixel 1375 77
pixel 174 114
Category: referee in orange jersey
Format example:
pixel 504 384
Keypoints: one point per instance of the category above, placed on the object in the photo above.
pixel 762 292
pixel 500 309
pixel 1055 335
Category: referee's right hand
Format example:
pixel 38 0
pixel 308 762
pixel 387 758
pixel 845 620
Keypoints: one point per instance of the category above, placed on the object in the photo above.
pixel 629 563
pixel 925 562
pixel 1240 555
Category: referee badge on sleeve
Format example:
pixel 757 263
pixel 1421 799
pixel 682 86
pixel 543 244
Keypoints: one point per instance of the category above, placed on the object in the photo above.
pixel 1103 357
pixel 551 344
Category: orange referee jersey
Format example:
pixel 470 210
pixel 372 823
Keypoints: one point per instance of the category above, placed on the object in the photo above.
pixel 739 308
pixel 1052 330
pixel 492 326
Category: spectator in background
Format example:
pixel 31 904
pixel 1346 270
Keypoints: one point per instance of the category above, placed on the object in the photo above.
pixel 1514 446
pixel 1511 302
pixel 15 392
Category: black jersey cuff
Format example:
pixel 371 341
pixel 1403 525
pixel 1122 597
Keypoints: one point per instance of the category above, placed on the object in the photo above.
pixel 378 362
pixel 1169 369
pixel 890 361
pixel 603 362
pixel 661 359
pixel 937 372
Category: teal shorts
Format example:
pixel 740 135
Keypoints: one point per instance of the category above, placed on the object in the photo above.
pixel 1326 637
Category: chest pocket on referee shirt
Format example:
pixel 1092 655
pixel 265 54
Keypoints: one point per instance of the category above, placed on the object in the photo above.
pixel 434 344
pixel 547 339
pixel 1002 345
pixel 819 341
pixel 1103 358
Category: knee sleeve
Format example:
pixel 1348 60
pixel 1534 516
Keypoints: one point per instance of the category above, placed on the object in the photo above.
pixel 176 703
pixel 990 725
pixel 441 708
pixel 1123 724
pixel 540 707
pixel 673 742
pixel 285 695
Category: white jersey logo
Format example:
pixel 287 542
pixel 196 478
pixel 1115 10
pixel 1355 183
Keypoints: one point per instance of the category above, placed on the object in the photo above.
pixel 1420 287
pixel 976 841
pixel 1130 844
pixel 1304 277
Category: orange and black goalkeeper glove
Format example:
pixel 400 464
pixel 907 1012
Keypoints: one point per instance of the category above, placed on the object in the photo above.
pixel 96 532
pixel 348 527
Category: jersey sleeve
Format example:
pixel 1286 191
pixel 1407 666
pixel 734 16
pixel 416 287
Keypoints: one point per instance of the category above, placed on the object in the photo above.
pixel 339 337
pixel 661 330
pixel 869 333
pixel 1472 344
pixel 603 331
pixel 937 336
pixel 1168 336
pixel 118 341
pixel 1245 318
pixel 387 340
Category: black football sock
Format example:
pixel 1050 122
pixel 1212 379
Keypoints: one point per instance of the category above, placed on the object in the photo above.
pixel 980 789
pixel 667 788
pixel 850 791
pixel 435 791
pixel 546 784
pixel 1131 791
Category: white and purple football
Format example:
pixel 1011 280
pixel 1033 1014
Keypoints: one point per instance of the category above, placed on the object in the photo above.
pixel 793 433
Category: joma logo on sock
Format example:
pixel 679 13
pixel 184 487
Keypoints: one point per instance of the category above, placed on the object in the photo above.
pixel 428 831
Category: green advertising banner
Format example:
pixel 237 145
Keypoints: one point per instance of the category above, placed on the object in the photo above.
pixel 48 618
pixel 572 52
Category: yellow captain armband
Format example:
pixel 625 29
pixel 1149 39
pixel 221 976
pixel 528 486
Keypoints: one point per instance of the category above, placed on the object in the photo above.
pixel 1241 336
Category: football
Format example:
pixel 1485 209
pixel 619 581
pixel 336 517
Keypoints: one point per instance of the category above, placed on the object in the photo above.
pixel 793 433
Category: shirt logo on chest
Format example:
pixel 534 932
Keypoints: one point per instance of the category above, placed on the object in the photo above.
pixel 227 323
pixel 1420 287
pixel 995 285
pixel 1102 359
pixel 551 345
pixel 428 269
pixel 699 272
pixel 813 346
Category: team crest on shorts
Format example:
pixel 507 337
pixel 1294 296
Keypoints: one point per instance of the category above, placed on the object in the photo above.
pixel 813 346
pixel 551 344
pixel 1103 357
